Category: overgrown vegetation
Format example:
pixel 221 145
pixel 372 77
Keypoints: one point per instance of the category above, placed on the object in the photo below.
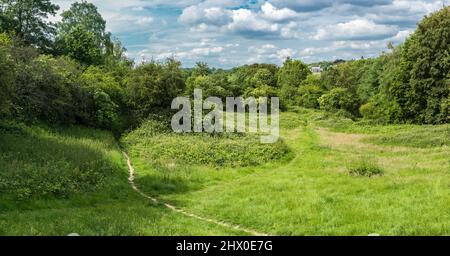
pixel 161 147
pixel 45 162
pixel 65 87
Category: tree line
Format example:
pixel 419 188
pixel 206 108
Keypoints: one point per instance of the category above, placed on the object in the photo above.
pixel 74 72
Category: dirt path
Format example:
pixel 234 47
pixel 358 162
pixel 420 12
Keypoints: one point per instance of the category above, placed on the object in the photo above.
pixel 180 211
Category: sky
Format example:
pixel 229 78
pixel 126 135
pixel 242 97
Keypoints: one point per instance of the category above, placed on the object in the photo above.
pixel 228 33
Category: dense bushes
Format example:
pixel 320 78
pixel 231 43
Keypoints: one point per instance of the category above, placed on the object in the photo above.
pixel 339 99
pixel 7 77
pixel 153 86
pixel 159 146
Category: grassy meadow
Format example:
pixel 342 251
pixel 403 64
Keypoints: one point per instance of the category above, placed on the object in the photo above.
pixel 326 176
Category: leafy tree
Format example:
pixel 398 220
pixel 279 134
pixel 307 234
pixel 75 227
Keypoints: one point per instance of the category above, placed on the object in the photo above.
pixel 153 86
pixel 82 34
pixel 28 19
pixel 290 76
pixel 424 89
pixel 82 46
pixel 201 69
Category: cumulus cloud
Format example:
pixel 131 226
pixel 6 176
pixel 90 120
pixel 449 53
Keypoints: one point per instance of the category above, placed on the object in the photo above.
pixel 267 21
pixel 269 12
pixel 196 15
pixel 358 29
pixel 315 5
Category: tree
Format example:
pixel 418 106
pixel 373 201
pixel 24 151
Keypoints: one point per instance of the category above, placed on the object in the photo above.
pixel 82 46
pixel 290 76
pixel 415 78
pixel 28 20
pixel 153 86
pixel 423 94
pixel 82 35
pixel 6 76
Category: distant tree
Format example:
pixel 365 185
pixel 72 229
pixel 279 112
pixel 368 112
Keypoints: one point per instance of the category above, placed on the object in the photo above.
pixel 28 20
pixel 290 76
pixel 201 69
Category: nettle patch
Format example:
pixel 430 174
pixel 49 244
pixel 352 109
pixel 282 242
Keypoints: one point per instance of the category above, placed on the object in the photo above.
pixel 162 147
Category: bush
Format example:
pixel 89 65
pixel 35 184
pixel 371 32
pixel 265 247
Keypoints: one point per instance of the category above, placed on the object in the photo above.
pixel 155 143
pixel 308 96
pixel 154 85
pixel 6 77
pixel 366 169
pixel 339 99
pixel 43 89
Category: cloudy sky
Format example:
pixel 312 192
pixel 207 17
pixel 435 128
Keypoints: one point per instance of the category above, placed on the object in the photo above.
pixel 226 33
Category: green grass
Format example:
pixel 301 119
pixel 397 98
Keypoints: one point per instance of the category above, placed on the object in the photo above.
pixel 301 186
pixel 313 193
pixel 57 181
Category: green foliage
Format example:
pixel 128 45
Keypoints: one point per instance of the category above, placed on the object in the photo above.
pixel 413 79
pixel 29 21
pixel 154 85
pixel 309 92
pixel 38 161
pixel 290 77
pixel 246 78
pixel 215 85
pixel 366 169
pixel 82 45
pixel 82 35
pixel 43 89
pixel 162 148
pixel 339 99
pixel 423 94
pixel 6 76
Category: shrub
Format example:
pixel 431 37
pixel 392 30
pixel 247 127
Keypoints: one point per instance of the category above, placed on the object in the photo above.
pixel 339 99
pixel 157 145
pixel 366 169
pixel 308 96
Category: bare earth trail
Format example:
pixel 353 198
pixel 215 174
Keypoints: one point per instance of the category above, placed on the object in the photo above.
pixel 131 178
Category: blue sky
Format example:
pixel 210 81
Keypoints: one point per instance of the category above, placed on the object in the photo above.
pixel 227 33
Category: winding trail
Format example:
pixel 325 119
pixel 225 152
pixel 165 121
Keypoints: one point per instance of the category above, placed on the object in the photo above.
pixel 131 178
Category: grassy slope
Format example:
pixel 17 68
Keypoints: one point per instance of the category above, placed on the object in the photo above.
pixel 56 181
pixel 313 194
pixel 308 192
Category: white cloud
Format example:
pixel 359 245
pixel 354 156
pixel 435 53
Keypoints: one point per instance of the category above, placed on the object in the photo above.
pixel 354 30
pixel 268 11
pixel 285 53
pixel 197 15
pixel 144 20
pixel 246 21
pixel 401 36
